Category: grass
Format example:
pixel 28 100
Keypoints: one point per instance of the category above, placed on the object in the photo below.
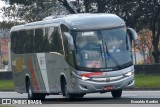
pixel 6 85
pixel 147 81
pixel 5 106
pixel 141 81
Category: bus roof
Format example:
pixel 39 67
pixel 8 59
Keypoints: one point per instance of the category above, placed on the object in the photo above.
pixel 79 22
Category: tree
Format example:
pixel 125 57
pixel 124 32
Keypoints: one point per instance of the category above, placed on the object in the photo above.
pixel 138 14
pixel 145 46
pixel 153 18
pixel 33 10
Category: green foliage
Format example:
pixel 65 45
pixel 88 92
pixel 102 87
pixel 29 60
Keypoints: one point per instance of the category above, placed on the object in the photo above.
pixel 147 81
pixel 32 10
pixel 6 85
pixel 6 25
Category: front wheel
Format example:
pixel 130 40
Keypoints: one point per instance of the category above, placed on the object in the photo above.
pixel 116 93
pixel 79 95
pixel 68 95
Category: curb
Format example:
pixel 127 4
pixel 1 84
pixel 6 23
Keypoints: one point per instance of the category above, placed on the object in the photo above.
pixel 143 89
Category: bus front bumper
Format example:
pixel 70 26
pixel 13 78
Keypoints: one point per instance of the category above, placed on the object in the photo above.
pixel 87 86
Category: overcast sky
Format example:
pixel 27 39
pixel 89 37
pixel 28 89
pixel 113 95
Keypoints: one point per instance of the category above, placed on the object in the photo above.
pixel 1 5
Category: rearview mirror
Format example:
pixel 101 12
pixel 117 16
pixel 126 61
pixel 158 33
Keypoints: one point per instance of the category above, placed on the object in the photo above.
pixel 70 40
pixel 133 35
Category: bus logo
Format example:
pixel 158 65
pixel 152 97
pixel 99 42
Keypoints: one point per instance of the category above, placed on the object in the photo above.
pixel 107 79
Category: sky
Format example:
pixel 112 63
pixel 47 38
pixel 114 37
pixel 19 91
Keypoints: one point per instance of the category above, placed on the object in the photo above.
pixel 1 5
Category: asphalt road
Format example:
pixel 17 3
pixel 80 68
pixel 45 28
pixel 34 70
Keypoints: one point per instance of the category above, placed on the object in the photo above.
pixel 128 97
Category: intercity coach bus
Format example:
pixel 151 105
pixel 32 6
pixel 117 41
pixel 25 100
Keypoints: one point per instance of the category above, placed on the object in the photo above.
pixel 72 55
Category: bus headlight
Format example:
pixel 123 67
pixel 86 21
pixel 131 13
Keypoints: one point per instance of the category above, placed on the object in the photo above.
pixel 128 74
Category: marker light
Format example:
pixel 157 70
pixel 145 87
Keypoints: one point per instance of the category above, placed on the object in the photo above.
pixel 128 74
pixel 85 78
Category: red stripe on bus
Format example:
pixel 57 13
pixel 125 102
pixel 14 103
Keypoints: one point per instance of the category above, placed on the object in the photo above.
pixel 33 76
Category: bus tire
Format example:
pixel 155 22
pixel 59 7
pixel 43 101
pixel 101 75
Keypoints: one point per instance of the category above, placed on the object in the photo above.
pixel 63 86
pixel 40 96
pixel 80 95
pixel 116 93
pixel 31 95
pixel 68 95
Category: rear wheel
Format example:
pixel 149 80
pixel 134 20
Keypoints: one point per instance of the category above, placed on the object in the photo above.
pixel 116 93
pixel 31 94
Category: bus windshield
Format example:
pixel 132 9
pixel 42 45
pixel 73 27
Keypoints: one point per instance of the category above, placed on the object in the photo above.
pixel 103 48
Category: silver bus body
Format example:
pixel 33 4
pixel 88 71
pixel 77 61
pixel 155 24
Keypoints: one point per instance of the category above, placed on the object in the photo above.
pixel 49 71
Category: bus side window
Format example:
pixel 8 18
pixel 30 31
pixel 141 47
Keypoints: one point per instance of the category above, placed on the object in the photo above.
pixel 19 42
pixel 59 41
pixel 46 47
pixel 13 41
pixel 38 40
pixel 29 42
pixel 54 39
pixel 65 41
pixel 68 55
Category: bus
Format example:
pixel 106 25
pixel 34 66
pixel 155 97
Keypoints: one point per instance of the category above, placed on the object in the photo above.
pixel 72 55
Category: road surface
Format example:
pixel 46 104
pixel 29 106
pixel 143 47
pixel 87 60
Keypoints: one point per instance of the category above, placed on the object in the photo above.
pixel 128 97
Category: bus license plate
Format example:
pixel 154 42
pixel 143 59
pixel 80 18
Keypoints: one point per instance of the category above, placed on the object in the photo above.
pixel 108 88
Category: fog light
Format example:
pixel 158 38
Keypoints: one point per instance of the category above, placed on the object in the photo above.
pixel 130 82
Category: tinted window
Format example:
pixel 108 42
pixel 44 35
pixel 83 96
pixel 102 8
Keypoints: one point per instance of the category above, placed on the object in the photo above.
pixel 36 41
pixel 65 41
pixel 54 39
pixel 13 41
pixel 29 42
pixel 17 41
